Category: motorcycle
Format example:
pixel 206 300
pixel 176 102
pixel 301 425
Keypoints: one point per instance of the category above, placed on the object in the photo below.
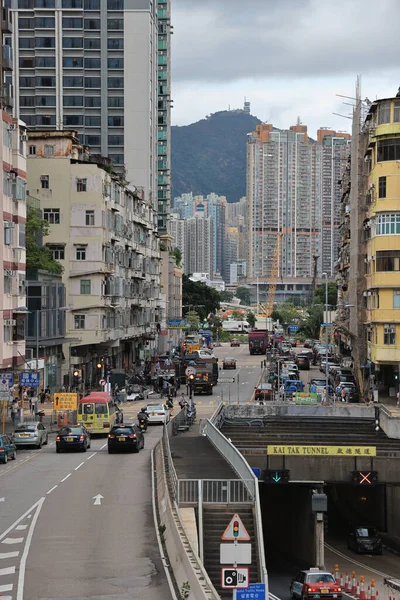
pixel 143 425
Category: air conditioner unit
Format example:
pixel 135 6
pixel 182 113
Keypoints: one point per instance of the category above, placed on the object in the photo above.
pixel 9 322
pixel 12 127
pixel 24 137
pixel 13 175
pixel 9 273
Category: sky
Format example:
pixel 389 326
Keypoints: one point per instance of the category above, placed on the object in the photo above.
pixel 289 58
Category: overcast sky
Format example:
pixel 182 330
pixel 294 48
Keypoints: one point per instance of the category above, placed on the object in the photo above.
pixel 288 57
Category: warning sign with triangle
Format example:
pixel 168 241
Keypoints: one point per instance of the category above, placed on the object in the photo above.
pixel 235 531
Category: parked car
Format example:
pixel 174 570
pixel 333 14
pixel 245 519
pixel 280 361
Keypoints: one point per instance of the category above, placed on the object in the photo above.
pixel 364 540
pixel 158 413
pixel 303 362
pixel 322 364
pixel 352 392
pixel 235 342
pixel 7 449
pixel 263 392
pixel 293 385
pixel 307 343
pixel 293 342
pixel 314 583
pixel 30 434
pixel 125 437
pixel 229 363
pixel 340 378
pixel 74 437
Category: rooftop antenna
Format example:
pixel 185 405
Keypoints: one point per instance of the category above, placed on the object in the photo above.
pixel 298 121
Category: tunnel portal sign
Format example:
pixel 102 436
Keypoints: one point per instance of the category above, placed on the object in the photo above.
pixel 322 450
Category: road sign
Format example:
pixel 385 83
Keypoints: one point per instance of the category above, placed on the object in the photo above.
pixel 4 387
pixel 5 395
pixel 365 477
pixel 7 378
pixel 232 577
pixel 326 324
pixel 177 323
pixel 276 476
pixel 102 382
pixel 257 472
pixel 229 380
pixel 235 531
pixel 29 379
pixel 65 401
pixel 235 554
pixel 251 591
pixel 190 371
pixel 164 331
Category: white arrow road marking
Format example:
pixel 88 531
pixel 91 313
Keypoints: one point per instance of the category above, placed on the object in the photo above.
pixel 12 540
pixel 7 571
pixel 8 555
pixel 97 499
pixel 22 567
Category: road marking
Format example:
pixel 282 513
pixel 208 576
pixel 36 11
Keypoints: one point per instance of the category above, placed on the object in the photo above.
pixel 91 456
pixel 65 478
pixel 21 527
pixel 103 446
pixel 9 554
pixel 20 463
pixel 2 499
pixel 22 567
pixel 97 499
pixel 355 562
pixel 7 571
pixel 79 466
pixel 6 588
pixel 52 489
pixel 12 541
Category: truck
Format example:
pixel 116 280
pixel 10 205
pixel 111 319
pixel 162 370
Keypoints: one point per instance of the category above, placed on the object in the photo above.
pixel 258 342
pixel 210 361
pixel 204 379
pixel 236 326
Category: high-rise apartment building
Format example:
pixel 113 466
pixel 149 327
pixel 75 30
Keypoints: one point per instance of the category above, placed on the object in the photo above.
pixel 195 239
pixel 216 208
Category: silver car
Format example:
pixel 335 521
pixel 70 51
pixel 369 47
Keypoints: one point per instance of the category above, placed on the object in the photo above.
pixel 30 434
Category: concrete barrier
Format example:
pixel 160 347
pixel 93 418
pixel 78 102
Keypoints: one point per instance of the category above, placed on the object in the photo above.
pixel 286 409
pixel 184 561
pixel 389 423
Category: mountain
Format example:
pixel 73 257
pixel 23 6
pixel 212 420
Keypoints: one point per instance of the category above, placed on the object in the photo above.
pixel 210 155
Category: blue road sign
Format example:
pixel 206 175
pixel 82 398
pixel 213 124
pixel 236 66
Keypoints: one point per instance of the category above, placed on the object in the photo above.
pixel 326 324
pixel 7 377
pixel 257 472
pixel 293 328
pixel 255 591
pixel 29 379
pixel 177 323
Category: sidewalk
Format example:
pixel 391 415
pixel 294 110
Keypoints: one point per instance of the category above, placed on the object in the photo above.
pixel 47 407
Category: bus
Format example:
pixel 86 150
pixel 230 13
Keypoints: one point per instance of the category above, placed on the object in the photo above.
pixel 97 412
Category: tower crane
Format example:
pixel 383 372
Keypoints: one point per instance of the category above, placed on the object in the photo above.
pixel 273 277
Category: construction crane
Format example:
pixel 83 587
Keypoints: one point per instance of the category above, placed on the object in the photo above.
pixel 273 278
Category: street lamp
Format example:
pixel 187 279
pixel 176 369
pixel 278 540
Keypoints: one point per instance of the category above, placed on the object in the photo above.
pixel 326 335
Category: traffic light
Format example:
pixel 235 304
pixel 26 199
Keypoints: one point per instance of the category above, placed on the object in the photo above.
pixel 77 374
pixel 365 478
pixel 276 476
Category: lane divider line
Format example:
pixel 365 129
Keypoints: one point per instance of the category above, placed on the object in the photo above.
pixel 22 567
pixel 104 445
pixel 52 489
pixel 66 477
pixel 91 456
pixel 359 564
pixel 79 466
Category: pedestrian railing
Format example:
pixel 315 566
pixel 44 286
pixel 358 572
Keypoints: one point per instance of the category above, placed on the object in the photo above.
pixel 214 491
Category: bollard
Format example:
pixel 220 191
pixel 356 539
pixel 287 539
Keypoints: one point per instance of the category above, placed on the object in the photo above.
pixel 337 578
pixel 353 583
pixel 362 588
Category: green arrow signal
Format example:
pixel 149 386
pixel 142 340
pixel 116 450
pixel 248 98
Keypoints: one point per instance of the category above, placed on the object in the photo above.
pixel 277 477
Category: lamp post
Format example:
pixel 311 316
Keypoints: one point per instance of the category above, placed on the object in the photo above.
pixel 326 335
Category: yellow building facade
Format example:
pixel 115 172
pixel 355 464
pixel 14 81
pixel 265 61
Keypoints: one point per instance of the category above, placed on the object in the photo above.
pixel 382 236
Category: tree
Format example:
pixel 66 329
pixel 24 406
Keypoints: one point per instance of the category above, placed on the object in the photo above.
pixel 251 319
pixel 37 255
pixel 237 315
pixel 226 296
pixel 177 254
pixel 244 295
pixel 312 324
pixel 199 297
pixel 319 295
pixel 286 314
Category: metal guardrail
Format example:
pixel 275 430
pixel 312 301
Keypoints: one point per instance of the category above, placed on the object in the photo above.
pixel 215 491
pixel 173 477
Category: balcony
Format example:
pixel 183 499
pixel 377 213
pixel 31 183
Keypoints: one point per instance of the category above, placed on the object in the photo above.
pixel 6 22
pixel 8 63
pixel 385 354
pixel 8 95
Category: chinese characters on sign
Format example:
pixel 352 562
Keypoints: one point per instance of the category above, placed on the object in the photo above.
pixel 323 450
pixel 65 401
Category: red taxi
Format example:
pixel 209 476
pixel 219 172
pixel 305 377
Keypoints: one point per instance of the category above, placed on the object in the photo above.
pixel 314 584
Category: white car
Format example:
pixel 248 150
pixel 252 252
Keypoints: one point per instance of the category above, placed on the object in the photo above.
pixel 30 434
pixel 158 413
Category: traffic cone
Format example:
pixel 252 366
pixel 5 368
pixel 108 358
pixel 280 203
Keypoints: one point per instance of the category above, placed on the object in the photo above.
pixel 348 583
pixel 373 590
pixel 337 578
pixel 341 581
pixel 353 583
pixel 369 593
pixel 362 588
pixel 358 589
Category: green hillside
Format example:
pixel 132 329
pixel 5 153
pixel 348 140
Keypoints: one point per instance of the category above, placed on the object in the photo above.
pixel 210 155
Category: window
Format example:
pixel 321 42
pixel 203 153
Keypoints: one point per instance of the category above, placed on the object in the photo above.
pixel 116 140
pixel 48 150
pixel 387 224
pixel 73 119
pixel 47 120
pixel 25 23
pixel 115 82
pixel 47 81
pixel 389 335
pixel 51 215
pixel 27 100
pixel 44 3
pixel 388 260
pixel 92 140
pixel 80 253
pixel 25 43
pixel 45 42
pixel 115 4
pixel 44 23
pixel 73 100
pixel 92 23
pixel 92 82
pixel 89 217
pixel 57 251
pixel 79 321
pixel 72 42
pixel 115 44
pixel 72 3
pixel 45 182
pixel 7 285
pixel 27 82
pixel 396 298
pixel 116 101
pixel 7 233
pixel 45 100
pixel 382 187
pixel 92 4
pixel 384 113
pixel 115 63
pixel 86 286
pixel 92 63
pixel 25 4
pixel 46 62
pixel 118 159
pixel 115 23
pixel 93 121
pixel 71 81
pixel 72 23
pixel 92 44
pixel 26 63
pixel 32 150
pixel 389 149
pixel 116 121
pixel 72 62
pixel 396 111
pixel 81 185
pixel 92 101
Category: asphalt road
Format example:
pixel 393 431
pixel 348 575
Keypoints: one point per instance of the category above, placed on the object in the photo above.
pixel 59 539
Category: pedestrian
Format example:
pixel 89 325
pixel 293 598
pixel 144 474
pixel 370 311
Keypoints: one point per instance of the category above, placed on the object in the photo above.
pixel 42 396
pixel 30 404
pixel 343 394
pixel 398 398
pixel 34 402
pixel 14 411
